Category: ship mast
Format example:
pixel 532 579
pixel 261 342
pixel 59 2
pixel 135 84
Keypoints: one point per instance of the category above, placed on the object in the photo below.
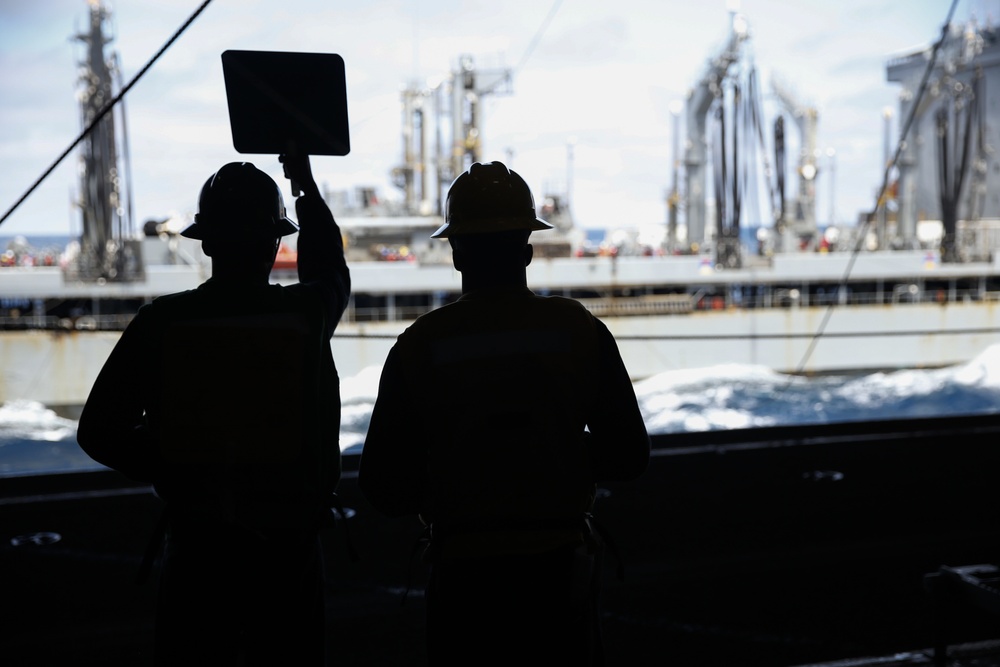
pixel 104 254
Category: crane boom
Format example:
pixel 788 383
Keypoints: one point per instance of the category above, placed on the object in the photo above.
pixel 699 101
pixel 801 220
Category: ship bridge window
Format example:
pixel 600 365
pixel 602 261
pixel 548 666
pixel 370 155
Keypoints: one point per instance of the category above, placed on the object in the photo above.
pixel 826 294
pixel 625 292
pixel 395 307
pixel 906 293
pixel 666 289
pixel 367 307
pixel 956 289
pixel 785 297
pixel 63 314
pixel 412 306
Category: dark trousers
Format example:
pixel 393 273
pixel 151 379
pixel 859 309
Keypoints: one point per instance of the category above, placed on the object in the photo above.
pixel 228 597
pixel 512 610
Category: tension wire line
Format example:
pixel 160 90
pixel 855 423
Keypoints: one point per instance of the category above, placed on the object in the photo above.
pixel 885 185
pixel 840 334
pixel 5 325
pixel 718 337
pixel 538 35
pixel 104 112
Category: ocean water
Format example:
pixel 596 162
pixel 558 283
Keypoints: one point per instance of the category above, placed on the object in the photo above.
pixel 731 396
pixel 35 244
pixel 36 241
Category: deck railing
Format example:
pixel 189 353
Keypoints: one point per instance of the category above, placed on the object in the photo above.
pixel 642 305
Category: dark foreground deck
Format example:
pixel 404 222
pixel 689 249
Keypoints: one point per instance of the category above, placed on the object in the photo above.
pixel 775 547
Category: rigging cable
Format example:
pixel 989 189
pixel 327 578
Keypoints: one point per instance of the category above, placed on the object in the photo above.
pixel 538 35
pixel 882 190
pixel 104 112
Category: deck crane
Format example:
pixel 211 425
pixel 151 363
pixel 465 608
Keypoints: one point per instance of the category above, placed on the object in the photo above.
pixel 798 224
pixel 456 105
pixel 106 251
pixel 699 101
pixel 412 175
pixel 946 164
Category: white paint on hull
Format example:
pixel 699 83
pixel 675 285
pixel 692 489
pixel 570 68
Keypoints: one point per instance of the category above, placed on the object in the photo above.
pixel 58 368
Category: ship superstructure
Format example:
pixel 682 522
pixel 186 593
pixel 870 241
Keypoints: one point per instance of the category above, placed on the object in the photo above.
pixel 949 170
pixel 869 542
pixel 798 305
pixel 107 249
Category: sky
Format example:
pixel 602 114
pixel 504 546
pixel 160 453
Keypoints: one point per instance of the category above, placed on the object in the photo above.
pixel 588 115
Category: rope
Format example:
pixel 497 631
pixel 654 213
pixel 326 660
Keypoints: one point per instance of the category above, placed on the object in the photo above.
pixel 103 112
pixel 538 35
pixel 885 185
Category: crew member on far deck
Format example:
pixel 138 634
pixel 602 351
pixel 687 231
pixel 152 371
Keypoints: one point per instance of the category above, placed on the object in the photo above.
pixel 496 416
pixel 226 398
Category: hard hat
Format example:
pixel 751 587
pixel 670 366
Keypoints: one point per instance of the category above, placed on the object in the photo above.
pixel 236 197
pixel 488 197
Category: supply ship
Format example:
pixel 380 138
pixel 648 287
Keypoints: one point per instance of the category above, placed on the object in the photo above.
pixel 798 299
pixel 861 543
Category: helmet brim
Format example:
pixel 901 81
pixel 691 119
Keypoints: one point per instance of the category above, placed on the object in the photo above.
pixel 283 227
pixel 489 226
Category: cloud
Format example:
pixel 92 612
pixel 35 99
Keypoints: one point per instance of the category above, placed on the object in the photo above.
pixel 605 73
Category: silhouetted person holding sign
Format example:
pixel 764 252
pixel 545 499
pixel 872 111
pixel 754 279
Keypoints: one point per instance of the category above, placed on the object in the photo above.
pixel 496 416
pixel 227 400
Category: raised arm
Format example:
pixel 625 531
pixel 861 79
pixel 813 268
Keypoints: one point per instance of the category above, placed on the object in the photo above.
pixel 321 259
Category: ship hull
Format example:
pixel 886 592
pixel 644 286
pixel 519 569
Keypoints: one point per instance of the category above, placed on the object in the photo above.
pixel 810 313
pixel 57 368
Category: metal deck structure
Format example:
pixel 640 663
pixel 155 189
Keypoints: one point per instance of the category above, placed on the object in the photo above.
pixel 780 547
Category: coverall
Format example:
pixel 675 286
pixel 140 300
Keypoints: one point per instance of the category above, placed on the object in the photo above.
pixel 226 399
pixel 496 416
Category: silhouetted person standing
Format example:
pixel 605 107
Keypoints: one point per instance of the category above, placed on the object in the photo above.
pixel 227 400
pixel 496 416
